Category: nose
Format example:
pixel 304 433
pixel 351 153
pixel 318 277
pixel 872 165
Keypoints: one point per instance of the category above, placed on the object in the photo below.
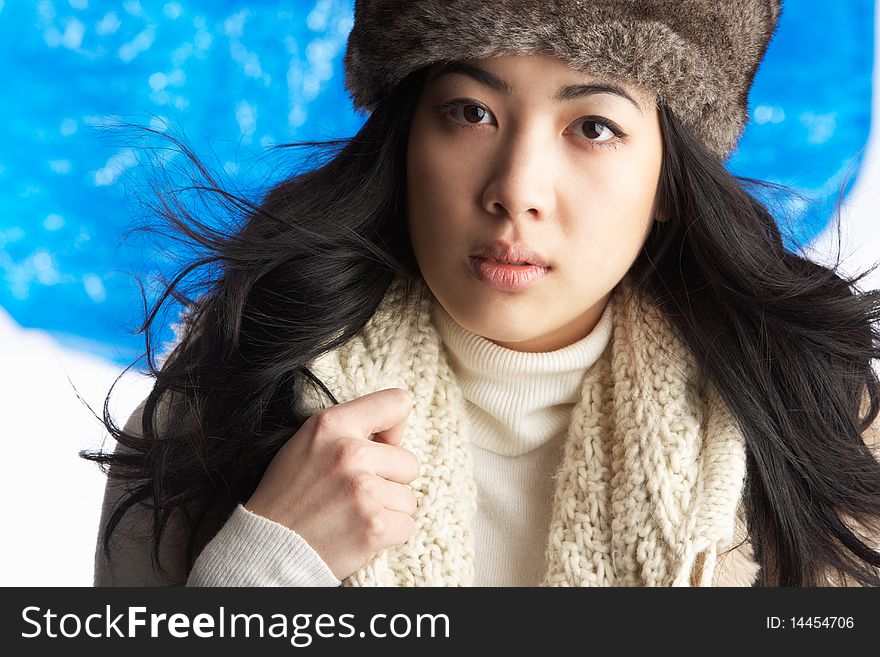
pixel 522 178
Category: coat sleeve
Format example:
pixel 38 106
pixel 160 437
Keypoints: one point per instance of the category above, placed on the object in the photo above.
pixel 130 562
pixel 737 567
pixel 871 535
pixel 249 550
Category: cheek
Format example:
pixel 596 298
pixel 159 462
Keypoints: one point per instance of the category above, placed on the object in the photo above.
pixel 436 191
pixel 624 197
pixel 608 226
pixel 433 185
pixel 424 203
pixel 436 170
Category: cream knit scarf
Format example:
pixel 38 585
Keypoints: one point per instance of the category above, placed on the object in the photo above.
pixel 652 470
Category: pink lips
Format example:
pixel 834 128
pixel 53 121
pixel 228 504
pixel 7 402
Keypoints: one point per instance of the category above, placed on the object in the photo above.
pixel 504 251
pixel 506 277
pixel 506 266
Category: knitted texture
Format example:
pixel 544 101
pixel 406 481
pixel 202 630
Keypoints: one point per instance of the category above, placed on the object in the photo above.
pixel 699 57
pixel 651 476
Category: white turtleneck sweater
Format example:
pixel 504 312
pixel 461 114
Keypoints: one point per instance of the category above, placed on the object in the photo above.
pixel 518 407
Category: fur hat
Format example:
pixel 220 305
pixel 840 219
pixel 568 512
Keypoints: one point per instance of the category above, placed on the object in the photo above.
pixel 699 57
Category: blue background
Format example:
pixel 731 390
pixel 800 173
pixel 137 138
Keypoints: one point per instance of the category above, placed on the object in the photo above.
pixel 238 77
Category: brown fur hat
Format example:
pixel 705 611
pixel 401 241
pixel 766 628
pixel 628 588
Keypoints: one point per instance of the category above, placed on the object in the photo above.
pixel 699 57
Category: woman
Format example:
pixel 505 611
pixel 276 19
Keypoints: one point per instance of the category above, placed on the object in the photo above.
pixel 525 328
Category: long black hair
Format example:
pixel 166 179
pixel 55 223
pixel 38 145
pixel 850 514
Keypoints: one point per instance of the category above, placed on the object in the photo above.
pixel 787 342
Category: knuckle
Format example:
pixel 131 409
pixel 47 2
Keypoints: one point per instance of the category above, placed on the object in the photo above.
pixel 364 508
pixel 374 527
pixel 349 453
pixel 360 486
pixel 326 421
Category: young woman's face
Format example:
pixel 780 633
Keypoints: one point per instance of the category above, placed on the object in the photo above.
pixel 523 168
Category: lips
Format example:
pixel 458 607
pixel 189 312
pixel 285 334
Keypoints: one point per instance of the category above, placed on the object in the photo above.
pixel 510 253
pixel 508 266
pixel 506 277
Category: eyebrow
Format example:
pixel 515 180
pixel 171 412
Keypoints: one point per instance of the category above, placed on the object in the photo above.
pixel 563 94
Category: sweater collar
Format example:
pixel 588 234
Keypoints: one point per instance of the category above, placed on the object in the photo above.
pixel 518 401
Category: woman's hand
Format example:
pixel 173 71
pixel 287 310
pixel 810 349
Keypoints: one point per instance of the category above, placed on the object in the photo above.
pixel 340 481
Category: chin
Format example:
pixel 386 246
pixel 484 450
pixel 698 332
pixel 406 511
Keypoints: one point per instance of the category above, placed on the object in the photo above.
pixel 503 334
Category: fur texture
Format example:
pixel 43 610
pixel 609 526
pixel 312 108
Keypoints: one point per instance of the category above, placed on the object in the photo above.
pixel 697 56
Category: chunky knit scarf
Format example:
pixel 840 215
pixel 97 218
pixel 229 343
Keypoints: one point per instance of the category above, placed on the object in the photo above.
pixel 649 486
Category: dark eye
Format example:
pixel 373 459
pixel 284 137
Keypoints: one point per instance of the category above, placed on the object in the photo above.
pixel 471 113
pixel 594 129
pixel 474 112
